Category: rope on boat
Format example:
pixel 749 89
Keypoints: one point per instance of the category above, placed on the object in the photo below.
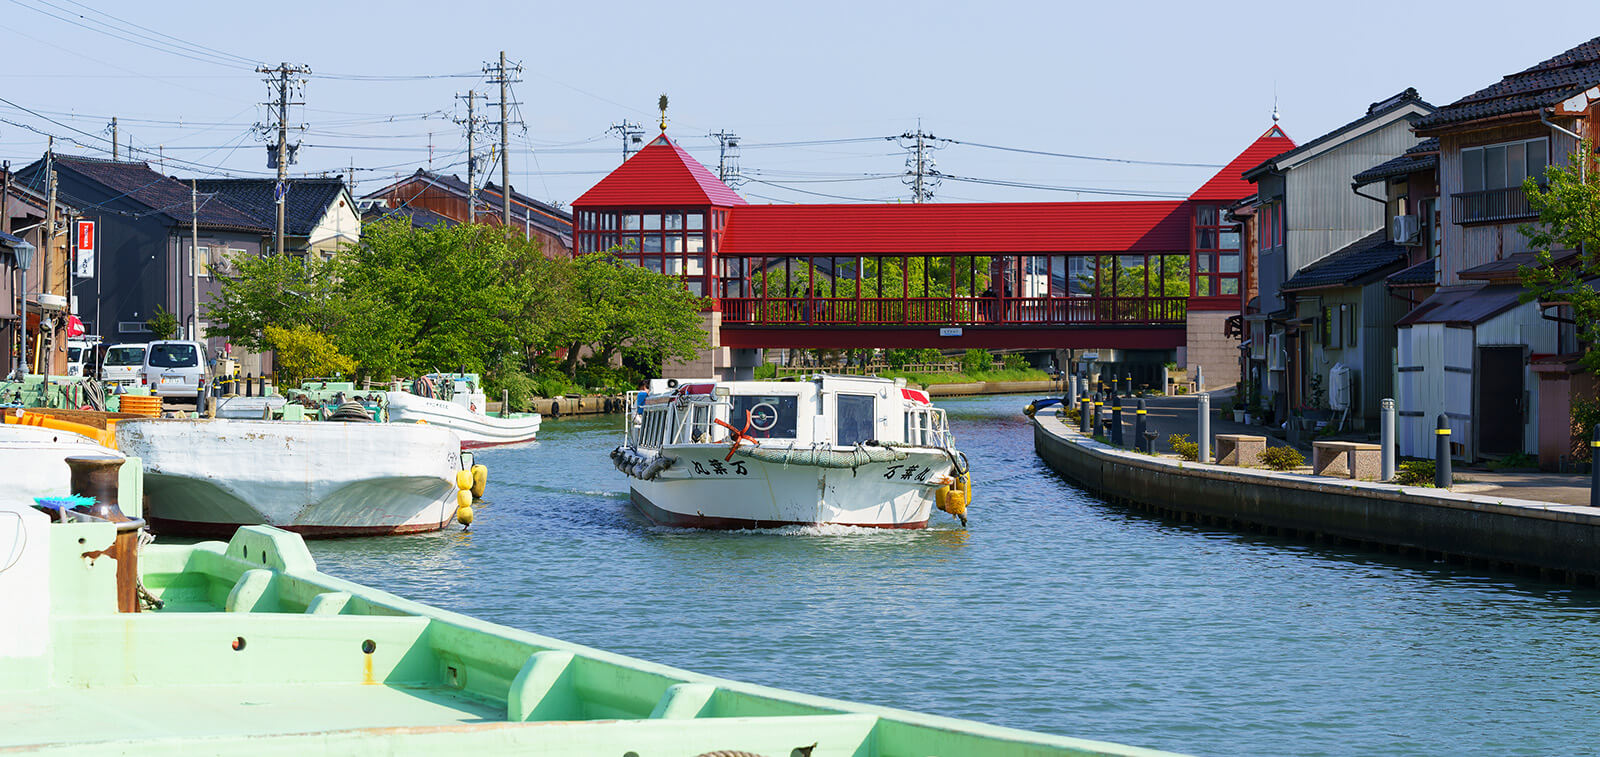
pixel 823 458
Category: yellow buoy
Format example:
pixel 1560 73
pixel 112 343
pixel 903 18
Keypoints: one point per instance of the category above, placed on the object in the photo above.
pixel 464 498
pixel 464 515
pixel 480 480
pixel 464 479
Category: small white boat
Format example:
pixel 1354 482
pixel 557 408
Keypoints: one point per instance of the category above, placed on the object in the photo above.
pixel 317 478
pixel 840 450
pixel 34 460
pixel 456 401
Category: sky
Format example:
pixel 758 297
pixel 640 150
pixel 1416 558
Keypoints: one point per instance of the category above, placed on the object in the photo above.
pixel 816 91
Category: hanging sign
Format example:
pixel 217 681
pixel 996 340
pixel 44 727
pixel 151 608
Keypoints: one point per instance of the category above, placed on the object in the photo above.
pixel 947 331
pixel 85 237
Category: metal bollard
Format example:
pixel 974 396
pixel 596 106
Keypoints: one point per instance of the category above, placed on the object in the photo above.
pixel 1594 469
pixel 261 385
pixel 1386 441
pixel 1441 462
pixel 1127 383
pixel 1085 408
pixel 1139 423
pixel 200 398
pixel 249 386
pixel 1203 430
pixel 1116 420
pixel 1099 407
pixel 1199 378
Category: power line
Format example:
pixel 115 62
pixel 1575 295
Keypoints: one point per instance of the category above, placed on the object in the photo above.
pixel 1128 161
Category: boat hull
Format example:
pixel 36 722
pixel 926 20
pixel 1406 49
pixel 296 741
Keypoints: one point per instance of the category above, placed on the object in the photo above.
pixel 324 479
pixel 701 490
pixel 35 460
pixel 475 429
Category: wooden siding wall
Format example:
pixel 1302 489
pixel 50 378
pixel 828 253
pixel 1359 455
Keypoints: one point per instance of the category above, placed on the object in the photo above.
pixel 1322 214
pixel 421 194
pixel 1469 246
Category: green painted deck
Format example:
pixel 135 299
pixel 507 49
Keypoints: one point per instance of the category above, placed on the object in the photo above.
pixel 256 652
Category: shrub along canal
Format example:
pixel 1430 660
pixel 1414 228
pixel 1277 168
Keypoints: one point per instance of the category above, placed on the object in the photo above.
pixel 1055 611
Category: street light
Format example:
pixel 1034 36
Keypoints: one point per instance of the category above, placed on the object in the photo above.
pixel 23 251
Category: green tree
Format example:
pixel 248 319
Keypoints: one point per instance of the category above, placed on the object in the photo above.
pixel 162 323
pixel 1569 219
pixel 618 310
pixel 300 353
pixel 276 290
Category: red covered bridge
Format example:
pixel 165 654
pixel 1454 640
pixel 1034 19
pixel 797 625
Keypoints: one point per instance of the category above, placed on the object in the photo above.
pixel 1129 275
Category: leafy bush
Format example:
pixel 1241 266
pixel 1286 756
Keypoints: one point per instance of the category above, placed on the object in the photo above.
pixel 162 323
pixel 1585 415
pixel 766 372
pixel 1282 458
pixel 1184 448
pixel 1416 473
pixel 518 386
pixel 300 353
pixel 1072 414
pixel 974 362
pixel 1513 460
pixel 1016 362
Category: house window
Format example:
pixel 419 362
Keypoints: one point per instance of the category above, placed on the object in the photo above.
pixel 200 262
pixel 1491 180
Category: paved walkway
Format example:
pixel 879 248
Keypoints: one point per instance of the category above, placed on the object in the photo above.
pixel 1176 415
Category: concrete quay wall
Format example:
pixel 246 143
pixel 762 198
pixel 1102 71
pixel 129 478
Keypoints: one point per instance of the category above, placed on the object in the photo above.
pixel 1558 542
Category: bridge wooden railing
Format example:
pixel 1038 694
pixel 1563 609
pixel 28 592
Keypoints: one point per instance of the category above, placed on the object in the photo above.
pixel 934 311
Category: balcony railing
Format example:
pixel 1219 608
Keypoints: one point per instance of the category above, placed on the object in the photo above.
pixel 1491 206
pixel 975 311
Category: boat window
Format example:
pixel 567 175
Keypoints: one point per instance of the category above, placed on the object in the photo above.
pixel 125 356
pixel 700 424
pixel 771 416
pixel 855 422
pixel 174 356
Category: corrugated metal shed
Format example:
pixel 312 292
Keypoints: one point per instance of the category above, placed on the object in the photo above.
pixel 1228 185
pixel 659 175
pixel 950 228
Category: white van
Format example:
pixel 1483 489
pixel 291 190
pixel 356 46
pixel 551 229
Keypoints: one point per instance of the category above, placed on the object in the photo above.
pixel 123 366
pixel 175 368
pixel 81 353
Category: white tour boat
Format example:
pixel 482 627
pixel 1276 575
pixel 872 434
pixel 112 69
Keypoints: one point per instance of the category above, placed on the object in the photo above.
pixel 456 401
pixel 846 450
pixel 317 478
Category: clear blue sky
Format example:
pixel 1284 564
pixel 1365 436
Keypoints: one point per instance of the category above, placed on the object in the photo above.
pixel 1164 81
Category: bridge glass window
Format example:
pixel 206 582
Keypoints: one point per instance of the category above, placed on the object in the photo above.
pixel 1216 245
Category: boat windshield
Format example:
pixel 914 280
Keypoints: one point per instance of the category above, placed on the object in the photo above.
pixel 125 356
pixel 771 416
pixel 856 419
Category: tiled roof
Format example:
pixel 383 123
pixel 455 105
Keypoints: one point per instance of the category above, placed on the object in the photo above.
pixel 661 174
pixel 304 205
pixel 1424 156
pixel 1539 86
pixel 163 195
pixel 420 218
pixel 1421 274
pixel 1351 265
pixel 1228 185
pixel 1374 111
pixel 543 214
pixel 958 228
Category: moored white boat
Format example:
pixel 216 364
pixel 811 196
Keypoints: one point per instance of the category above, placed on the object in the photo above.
pixel 208 477
pixel 759 454
pixel 457 402
pixel 35 460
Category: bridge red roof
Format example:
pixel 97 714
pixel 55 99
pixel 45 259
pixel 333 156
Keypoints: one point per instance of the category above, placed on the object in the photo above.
pixel 1228 185
pixel 957 228
pixel 661 174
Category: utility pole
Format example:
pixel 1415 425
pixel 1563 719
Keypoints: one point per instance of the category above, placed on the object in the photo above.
pixel 278 80
pixel 921 174
pixel 194 259
pixel 727 157
pixel 631 132
pixel 504 76
pixel 48 238
pixel 114 146
pixel 471 122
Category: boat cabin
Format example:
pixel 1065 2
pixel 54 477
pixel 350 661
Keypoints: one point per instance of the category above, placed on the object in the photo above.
pixel 823 410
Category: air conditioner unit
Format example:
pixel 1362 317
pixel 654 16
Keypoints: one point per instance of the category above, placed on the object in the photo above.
pixel 1406 229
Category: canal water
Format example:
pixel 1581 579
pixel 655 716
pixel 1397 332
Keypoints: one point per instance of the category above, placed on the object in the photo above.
pixel 1054 611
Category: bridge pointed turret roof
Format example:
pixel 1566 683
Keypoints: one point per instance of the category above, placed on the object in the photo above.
pixel 661 174
pixel 1228 185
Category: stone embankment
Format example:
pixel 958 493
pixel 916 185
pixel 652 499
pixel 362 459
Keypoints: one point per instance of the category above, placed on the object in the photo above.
pixel 1554 541
pixel 554 407
pixel 967 389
